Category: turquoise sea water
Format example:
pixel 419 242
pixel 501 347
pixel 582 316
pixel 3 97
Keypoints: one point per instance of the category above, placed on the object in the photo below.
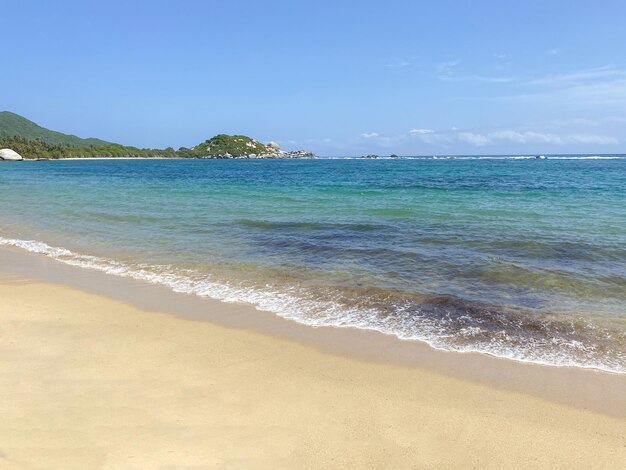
pixel 520 258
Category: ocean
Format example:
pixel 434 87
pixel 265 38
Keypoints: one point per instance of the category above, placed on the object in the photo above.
pixel 515 257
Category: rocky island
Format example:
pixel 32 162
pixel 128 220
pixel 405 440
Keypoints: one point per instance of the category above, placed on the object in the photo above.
pixel 239 146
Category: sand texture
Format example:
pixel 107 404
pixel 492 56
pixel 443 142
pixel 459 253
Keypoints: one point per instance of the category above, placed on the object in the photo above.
pixel 91 382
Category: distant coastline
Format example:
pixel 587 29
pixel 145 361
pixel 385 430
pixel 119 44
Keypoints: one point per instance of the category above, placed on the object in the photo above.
pixel 31 142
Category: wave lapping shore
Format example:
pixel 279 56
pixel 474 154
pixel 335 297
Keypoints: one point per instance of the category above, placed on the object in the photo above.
pixel 522 259
pixel 443 322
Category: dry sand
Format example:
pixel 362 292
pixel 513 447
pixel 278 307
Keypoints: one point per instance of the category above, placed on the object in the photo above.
pixel 91 382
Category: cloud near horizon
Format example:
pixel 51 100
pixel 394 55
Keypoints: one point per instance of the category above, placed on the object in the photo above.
pixel 484 139
pixel 530 137
pixel 369 135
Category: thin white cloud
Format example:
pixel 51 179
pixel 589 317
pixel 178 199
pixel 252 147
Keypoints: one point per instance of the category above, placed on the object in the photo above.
pixel 391 140
pixel 606 94
pixel 475 139
pixel 399 63
pixel 592 139
pixel 584 122
pixel 425 135
pixel 530 137
pixel 526 137
pixel 593 86
pixel 476 78
pixel 576 122
pixel 429 136
pixel 448 64
pixel 450 74
pixel 446 70
pixel 580 77
pixel 596 88
pixel 434 139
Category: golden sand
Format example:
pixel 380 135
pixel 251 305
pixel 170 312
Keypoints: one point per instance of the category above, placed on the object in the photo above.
pixel 91 382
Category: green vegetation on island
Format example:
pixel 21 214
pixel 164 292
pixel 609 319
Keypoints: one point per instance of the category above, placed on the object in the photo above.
pixel 227 146
pixel 32 149
pixel 32 141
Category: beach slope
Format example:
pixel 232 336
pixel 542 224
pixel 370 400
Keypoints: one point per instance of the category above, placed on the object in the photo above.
pixel 92 382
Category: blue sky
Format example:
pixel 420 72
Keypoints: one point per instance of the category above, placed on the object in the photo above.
pixel 338 78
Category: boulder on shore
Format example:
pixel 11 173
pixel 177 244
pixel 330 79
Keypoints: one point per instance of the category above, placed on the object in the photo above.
pixel 10 155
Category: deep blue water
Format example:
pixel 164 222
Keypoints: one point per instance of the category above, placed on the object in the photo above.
pixel 521 258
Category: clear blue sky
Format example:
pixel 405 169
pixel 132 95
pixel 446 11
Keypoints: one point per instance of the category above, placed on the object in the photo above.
pixel 336 77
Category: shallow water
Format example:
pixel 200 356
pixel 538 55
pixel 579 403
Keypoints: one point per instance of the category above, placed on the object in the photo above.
pixel 521 258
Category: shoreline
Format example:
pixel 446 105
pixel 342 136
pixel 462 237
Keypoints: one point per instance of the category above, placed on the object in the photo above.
pixel 443 157
pixel 102 158
pixel 167 158
pixel 91 380
pixel 587 388
pixel 104 265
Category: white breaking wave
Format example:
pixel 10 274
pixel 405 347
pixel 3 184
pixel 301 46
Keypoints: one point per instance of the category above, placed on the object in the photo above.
pixel 591 157
pixel 292 304
pixel 486 157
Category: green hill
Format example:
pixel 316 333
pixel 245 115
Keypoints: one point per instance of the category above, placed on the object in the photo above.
pixel 227 145
pixel 12 124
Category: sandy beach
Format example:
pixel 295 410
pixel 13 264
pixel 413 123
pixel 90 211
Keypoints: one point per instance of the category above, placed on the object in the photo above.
pixel 313 235
pixel 95 382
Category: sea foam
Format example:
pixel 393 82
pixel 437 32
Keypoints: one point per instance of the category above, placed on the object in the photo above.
pixel 297 304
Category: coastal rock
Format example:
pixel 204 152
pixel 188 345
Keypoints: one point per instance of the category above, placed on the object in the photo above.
pixel 298 154
pixel 273 146
pixel 10 155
